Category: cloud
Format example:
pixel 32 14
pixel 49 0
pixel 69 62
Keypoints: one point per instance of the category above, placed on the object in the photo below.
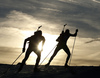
pixel 92 40
pixel 68 0
pixel 24 21
pixel 80 14
pixel 50 9
pixel 17 19
pixel 11 37
pixel 96 1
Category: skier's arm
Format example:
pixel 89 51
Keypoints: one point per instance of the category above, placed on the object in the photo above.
pixel 43 43
pixel 75 33
pixel 23 50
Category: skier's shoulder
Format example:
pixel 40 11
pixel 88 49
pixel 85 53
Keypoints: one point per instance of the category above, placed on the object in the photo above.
pixel 31 37
pixel 42 37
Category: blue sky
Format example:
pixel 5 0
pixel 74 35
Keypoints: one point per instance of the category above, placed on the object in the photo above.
pixel 20 16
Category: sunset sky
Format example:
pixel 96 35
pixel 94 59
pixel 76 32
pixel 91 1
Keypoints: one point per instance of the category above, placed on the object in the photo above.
pixel 20 18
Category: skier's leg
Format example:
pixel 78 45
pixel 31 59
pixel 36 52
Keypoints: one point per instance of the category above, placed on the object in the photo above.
pixel 66 49
pixel 24 60
pixel 37 60
pixel 54 54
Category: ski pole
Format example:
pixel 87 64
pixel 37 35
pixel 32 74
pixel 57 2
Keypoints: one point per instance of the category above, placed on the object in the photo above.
pixel 48 55
pixel 12 64
pixel 72 51
pixel 64 27
pixel 39 27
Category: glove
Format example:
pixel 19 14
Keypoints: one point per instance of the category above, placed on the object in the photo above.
pixel 76 30
pixel 23 50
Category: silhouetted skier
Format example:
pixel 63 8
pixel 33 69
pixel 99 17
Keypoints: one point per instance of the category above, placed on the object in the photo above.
pixel 34 40
pixel 62 39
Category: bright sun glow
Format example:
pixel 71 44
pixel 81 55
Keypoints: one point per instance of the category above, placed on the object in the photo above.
pixel 40 46
pixel 49 44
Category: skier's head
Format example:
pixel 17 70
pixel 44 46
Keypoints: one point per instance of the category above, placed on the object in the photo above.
pixel 67 31
pixel 38 33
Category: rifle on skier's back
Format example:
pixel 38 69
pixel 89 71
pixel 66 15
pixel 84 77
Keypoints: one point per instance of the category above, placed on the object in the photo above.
pixel 61 35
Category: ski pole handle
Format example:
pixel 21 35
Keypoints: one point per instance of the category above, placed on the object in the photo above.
pixel 64 27
pixel 39 27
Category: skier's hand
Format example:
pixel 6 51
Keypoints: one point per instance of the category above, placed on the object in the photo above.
pixel 76 30
pixel 23 50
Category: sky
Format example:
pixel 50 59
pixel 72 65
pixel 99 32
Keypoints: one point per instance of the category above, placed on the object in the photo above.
pixel 20 18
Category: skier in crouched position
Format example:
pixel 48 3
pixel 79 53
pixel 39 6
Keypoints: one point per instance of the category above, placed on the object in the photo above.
pixel 34 40
pixel 62 39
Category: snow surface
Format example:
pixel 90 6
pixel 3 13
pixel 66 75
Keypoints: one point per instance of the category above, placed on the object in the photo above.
pixel 50 72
